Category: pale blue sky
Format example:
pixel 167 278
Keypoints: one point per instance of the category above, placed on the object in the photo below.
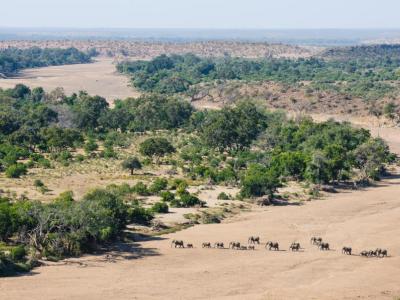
pixel 201 13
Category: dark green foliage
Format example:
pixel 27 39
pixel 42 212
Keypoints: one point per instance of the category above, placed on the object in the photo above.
pixel 140 215
pixel 156 147
pixel 18 253
pixel 259 181
pixel 167 196
pixel 90 146
pixel 160 207
pixel 365 68
pixel 58 139
pixel 370 158
pixel 13 59
pixel 156 112
pixel 158 185
pixel 233 128
pixel 88 111
pixel 132 163
pixel 16 171
pixel 189 200
pixel 141 189
pixel 223 196
pixel 38 183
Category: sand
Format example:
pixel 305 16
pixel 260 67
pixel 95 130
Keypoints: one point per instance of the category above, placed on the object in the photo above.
pixel 98 78
pixel 363 219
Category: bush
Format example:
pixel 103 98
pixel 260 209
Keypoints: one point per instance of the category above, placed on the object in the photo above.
pixel 38 183
pixel 16 171
pixel 178 183
pixel 18 253
pixel 90 146
pixel 160 207
pixel 207 218
pixel 158 185
pixel 109 152
pixel 167 196
pixel 188 200
pixel 141 189
pixel 140 215
pixel 45 163
pixel 223 196
pixel 80 158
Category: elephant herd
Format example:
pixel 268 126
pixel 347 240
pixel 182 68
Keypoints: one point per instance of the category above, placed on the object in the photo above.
pixel 270 245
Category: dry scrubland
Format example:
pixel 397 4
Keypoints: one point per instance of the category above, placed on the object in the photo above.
pixel 277 96
pixel 146 50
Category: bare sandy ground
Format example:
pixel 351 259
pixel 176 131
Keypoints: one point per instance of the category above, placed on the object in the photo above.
pixel 364 219
pixel 98 78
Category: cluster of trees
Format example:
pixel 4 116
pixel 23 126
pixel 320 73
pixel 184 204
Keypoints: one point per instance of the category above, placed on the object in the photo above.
pixel 64 227
pixel 33 122
pixel 271 149
pixel 13 60
pixel 365 76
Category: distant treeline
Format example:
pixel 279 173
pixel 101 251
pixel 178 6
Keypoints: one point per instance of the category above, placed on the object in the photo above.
pixel 363 52
pixel 13 60
pixel 361 75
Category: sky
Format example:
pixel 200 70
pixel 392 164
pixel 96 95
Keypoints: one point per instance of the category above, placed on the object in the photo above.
pixel 263 14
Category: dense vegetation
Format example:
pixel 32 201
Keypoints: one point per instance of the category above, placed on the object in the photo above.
pixel 13 60
pixel 245 146
pixel 366 76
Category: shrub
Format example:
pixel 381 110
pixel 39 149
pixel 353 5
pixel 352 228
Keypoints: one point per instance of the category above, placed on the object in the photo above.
pixel 209 218
pixel 140 215
pixel 167 196
pixel 38 183
pixel 160 207
pixel 18 253
pixel 66 198
pixel 80 158
pixel 16 171
pixel 177 182
pixel 45 163
pixel 90 146
pixel 141 189
pixel 223 196
pixel 158 185
pixel 109 152
pixel 188 200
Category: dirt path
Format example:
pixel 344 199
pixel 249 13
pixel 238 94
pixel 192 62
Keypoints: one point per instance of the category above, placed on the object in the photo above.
pixel 364 219
pixel 99 78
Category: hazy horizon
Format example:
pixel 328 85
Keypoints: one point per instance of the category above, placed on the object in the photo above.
pixel 205 14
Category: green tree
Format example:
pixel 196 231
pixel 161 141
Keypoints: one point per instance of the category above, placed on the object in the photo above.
pixel 156 147
pixel 259 181
pixel 132 163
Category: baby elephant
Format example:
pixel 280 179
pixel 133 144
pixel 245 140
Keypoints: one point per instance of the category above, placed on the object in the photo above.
pixel 189 245
pixel 219 245
pixel 346 250
pixel 206 245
